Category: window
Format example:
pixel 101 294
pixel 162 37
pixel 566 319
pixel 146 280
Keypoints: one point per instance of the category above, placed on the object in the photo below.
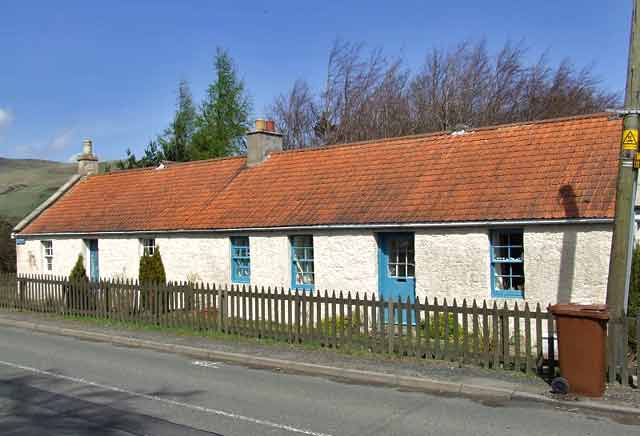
pixel 240 259
pixel 148 246
pixel 401 260
pixel 507 264
pixel 302 274
pixel 47 248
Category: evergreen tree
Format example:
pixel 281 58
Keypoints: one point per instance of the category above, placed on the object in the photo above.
pixel 78 273
pixel 152 272
pixel 151 268
pixel 223 118
pixel 152 157
pixel 158 267
pixel 76 293
pixel 176 139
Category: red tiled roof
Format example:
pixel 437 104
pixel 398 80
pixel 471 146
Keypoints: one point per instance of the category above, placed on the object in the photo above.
pixel 556 169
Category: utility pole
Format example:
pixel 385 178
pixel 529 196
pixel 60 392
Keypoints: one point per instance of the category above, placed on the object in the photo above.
pixel 624 222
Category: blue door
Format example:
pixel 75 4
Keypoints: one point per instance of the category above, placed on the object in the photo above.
pixel 396 266
pixel 94 271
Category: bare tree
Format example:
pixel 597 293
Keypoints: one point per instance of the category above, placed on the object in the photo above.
pixel 367 95
pixel 295 114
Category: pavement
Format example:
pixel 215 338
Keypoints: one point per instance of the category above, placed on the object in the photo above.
pixel 51 384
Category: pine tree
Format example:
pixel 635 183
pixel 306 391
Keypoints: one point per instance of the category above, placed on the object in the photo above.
pixel 177 138
pixel 223 118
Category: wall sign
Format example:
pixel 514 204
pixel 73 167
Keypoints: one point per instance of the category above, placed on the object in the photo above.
pixel 20 241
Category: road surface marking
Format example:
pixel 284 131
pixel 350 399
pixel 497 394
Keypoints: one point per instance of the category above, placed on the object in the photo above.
pixel 166 400
pixel 205 363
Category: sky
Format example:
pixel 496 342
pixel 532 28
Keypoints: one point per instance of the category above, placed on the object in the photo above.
pixel 109 70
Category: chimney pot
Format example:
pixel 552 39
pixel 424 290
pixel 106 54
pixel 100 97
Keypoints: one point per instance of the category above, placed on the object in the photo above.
pixel 270 126
pixel 261 124
pixel 87 147
pixel 87 161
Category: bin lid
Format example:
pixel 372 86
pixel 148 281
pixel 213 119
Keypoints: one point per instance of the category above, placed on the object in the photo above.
pixel 593 311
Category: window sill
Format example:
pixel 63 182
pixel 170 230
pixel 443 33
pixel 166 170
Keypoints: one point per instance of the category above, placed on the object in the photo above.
pixel 307 288
pixel 508 294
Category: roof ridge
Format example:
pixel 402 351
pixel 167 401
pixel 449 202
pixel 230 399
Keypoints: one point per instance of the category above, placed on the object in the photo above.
pixel 418 136
pixel 170 165
pixel 382 141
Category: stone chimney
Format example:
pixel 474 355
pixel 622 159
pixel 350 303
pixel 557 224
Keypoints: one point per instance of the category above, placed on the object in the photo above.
pixel 262 141
pixel 87 161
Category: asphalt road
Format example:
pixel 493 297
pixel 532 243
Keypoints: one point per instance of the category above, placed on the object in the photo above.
pixel 62 386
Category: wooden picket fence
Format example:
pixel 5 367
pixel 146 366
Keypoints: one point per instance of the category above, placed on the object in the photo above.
pixel 514 338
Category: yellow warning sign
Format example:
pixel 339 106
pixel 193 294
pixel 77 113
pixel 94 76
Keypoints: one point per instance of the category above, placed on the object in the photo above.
pixel 630 139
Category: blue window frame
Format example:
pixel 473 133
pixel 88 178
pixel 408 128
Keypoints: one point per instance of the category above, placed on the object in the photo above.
pixel 302 270
pixel 240 259
pixel 507 263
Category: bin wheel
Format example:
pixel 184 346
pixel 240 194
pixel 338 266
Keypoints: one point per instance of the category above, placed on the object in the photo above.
pixel 560 385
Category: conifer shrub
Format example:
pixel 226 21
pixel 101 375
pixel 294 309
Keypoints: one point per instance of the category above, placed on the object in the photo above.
pixel 151 277
pixel 78 273
pixel 77 293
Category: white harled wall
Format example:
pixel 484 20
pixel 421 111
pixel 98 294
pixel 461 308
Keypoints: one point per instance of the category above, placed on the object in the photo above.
pixel 30 256
pixel 562 262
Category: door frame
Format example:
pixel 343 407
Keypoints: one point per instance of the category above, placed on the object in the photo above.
pixel 88 243
pixel 383 260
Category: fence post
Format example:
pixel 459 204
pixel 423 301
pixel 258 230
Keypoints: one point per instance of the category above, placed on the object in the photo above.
pixel 222 309
pixel 551 338
pixel 391 324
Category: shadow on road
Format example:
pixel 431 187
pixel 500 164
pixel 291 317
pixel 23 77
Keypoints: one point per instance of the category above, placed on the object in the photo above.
pixel 29 405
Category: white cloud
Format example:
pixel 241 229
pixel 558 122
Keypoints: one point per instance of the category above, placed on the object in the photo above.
pixel 6 117
pixel 61 141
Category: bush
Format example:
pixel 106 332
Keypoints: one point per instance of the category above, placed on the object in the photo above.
pixel 441 331
pixel 342 323
pixel 449 334
pixel 152 269
pixel 78 273
pixel 152 273
pixel 78 292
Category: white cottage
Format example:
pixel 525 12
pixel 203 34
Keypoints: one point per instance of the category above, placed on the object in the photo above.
pixel 521 211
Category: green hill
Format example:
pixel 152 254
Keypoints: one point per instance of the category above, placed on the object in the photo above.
pixel 25 183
